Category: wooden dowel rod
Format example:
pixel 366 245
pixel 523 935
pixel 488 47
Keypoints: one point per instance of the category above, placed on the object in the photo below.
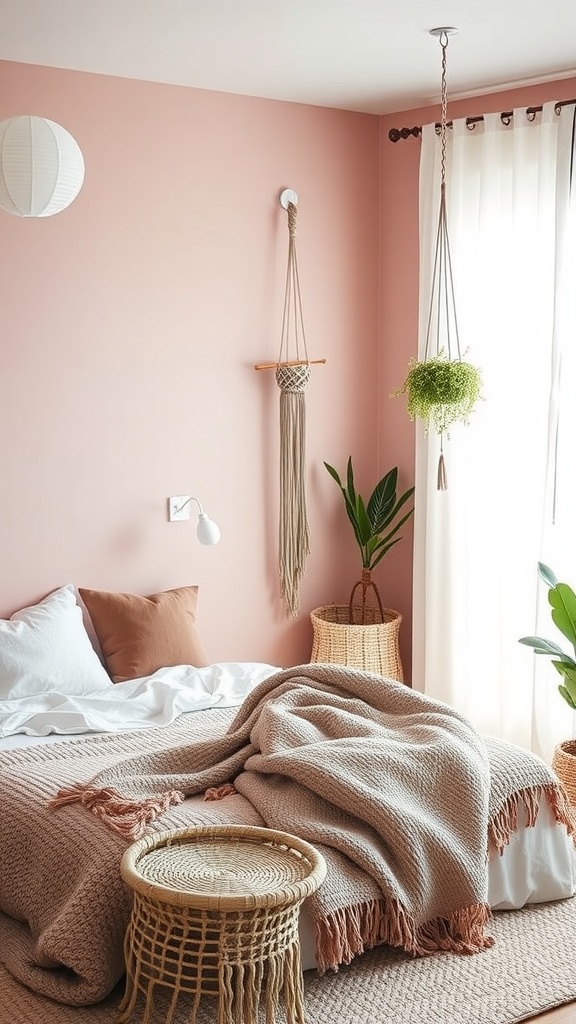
pixel 290 362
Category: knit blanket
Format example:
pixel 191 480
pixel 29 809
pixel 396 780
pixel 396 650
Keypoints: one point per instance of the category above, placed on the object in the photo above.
pixel 399 793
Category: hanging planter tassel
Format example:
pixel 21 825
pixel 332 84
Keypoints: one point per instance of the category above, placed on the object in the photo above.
pixel 292 377
pixel 442 389
pixel 441 479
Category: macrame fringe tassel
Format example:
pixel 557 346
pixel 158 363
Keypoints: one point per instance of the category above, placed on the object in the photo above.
pixel 294 540
pixel 242 985
pixel 442 481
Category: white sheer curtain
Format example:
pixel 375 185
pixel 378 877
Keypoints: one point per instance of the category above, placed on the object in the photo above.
pixel 477 544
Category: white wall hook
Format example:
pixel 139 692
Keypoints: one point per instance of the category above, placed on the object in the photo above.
pixel 287 196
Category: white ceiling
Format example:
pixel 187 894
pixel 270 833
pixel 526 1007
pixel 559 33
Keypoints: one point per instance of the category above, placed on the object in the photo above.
pixel 368 55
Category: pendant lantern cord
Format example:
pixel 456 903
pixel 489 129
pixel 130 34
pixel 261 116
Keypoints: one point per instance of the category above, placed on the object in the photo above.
pixel 292 316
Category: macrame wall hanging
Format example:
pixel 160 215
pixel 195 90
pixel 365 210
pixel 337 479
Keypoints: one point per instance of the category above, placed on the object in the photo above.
pixel 442 389
pixel 292 376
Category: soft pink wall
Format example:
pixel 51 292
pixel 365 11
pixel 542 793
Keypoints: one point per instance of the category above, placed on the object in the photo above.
pixel 131 323
pixel 130 326
pixel 399 169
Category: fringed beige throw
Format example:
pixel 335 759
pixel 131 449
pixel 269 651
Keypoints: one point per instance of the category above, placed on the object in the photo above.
pixel 393 788
pixel 405 780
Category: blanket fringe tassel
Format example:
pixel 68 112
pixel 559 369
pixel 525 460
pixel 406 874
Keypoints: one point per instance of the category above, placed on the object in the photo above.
pixel 219 792
pixel 345 934
pixel 505 822
pixel 128 817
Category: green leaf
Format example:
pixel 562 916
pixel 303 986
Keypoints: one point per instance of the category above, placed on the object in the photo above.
pixel 364 524
pixel 547 575
pixel 350 481
pixel 383 497
pixel 564 693
pixel 334 475
pixel 563 601
pixel 351 512
pixel 566 667
pixel 373 545
pixel 393 512
pixel 542 646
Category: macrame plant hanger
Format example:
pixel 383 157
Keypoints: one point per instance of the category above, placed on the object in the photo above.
pixel 292 376
pixel 442 293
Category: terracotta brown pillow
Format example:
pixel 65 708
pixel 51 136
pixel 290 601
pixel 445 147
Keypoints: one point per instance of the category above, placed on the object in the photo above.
pixel 139 635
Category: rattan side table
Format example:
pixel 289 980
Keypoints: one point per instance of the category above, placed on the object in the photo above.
pixel 216 913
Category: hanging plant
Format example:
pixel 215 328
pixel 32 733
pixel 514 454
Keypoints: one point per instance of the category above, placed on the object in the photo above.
pixel 441 391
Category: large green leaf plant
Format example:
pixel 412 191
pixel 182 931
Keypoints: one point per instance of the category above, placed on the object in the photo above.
pixel 373 521
pixel 563 603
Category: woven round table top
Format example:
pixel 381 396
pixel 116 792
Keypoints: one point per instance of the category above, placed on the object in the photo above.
pixel 228 867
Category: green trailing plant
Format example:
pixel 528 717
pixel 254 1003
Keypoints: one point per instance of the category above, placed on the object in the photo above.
pixel 375 524
pixel 441 391
pixel 563 603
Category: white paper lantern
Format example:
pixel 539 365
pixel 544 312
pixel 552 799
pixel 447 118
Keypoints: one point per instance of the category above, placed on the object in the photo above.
pixel 41 167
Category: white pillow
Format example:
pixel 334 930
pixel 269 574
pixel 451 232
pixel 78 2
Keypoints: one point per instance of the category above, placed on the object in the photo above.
pixel 45 649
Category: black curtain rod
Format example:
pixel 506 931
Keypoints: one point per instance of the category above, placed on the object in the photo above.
pixel 395 134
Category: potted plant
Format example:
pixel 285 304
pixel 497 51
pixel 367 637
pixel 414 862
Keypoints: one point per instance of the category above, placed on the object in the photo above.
pixel 358 633
pixel 562 600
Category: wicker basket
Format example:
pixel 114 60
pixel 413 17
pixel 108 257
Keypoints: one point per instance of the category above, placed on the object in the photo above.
pixel 372 646
pixel 564 764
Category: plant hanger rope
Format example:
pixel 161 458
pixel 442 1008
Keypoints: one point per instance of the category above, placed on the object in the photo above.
pixel 292 312
pixel 442 276
pixel 292 377
pixel 441 387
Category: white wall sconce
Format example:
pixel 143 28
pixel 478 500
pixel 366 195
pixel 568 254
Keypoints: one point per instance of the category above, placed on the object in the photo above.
pixel 207 531
pixel 41 167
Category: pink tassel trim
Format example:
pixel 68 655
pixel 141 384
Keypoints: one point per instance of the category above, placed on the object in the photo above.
pixel 128 817
pixel 505 823
pixel 219 792
pixel 346 933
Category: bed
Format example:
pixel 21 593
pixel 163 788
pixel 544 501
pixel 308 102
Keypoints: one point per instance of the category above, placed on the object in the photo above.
pixel 63 906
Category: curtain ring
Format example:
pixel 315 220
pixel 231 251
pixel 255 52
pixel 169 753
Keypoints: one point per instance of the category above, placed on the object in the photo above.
pixel 531 114
pixel 506 119
pixel 470 125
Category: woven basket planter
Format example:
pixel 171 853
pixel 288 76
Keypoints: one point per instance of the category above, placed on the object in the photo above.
pixel 564 764
pixel 372 646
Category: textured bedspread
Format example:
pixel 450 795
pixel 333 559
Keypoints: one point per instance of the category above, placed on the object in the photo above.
pixel 401 795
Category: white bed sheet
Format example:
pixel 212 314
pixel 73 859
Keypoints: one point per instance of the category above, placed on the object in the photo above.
pixel 137 704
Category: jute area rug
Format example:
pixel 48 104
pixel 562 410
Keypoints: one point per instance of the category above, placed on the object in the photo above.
pixel 531 968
